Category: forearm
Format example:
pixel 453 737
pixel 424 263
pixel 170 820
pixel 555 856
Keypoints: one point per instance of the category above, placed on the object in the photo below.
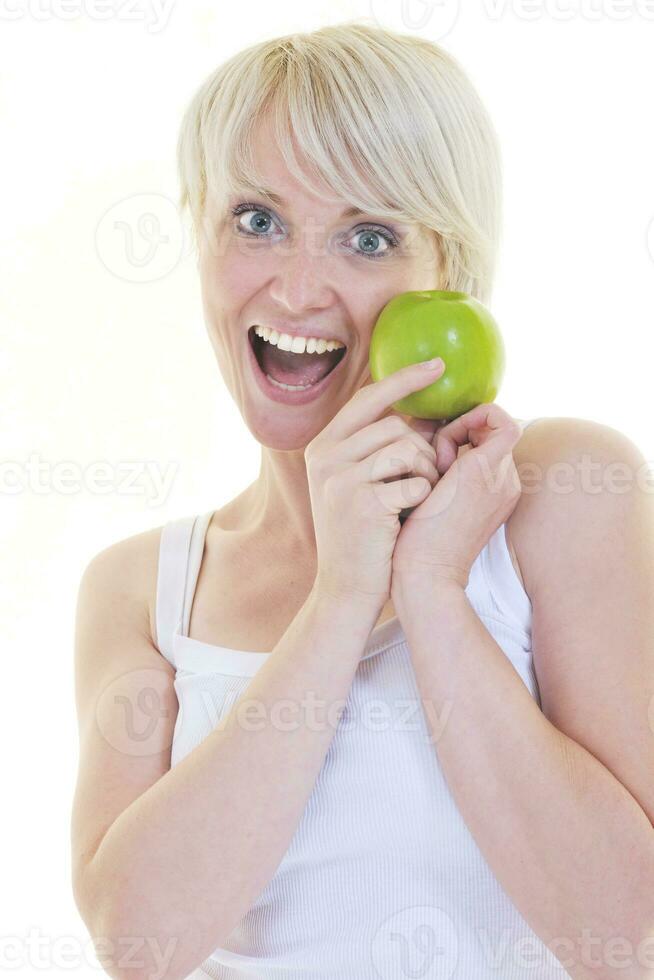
pixel 189 857
pixel 569 844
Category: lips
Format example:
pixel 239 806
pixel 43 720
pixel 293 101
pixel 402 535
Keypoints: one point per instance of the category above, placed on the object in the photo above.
pixel 294 398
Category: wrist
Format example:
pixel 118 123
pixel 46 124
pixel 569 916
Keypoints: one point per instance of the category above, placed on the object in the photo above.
pixel 327 595
pixel 424 589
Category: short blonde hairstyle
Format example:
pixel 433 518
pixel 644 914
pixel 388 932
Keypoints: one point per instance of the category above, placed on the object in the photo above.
pixel 389 121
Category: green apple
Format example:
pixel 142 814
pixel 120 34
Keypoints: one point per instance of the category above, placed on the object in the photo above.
pixel 418 325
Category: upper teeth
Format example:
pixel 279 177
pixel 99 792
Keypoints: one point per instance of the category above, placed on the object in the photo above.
pixel 298 345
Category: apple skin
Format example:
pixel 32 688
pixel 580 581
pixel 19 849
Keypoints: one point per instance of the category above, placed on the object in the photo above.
pixel 418 325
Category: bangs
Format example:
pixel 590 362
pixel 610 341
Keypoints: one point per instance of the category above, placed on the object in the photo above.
pixel 387 122
pixel 321 127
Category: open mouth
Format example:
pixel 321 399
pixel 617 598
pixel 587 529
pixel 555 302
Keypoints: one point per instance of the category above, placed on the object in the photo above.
pixel 290 371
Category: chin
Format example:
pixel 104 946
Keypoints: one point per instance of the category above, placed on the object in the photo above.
pixel 280 435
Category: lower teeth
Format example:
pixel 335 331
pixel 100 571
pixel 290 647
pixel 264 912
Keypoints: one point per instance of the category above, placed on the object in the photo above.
pixel 280 384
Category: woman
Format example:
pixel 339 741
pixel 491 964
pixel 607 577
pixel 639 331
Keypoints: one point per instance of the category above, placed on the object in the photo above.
pixel 373 747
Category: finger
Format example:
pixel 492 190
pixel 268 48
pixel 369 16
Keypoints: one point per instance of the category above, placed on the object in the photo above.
pixel 371 401
pixel 404 494
pixel 386 468
pixel 427 428
pixel 424 427
pixel 378 435
pixel 458 432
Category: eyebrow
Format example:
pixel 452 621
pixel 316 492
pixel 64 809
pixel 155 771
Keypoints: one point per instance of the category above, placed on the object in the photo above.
pixel 281 203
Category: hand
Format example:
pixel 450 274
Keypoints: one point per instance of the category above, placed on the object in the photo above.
pixel 474 494
pixel 355 510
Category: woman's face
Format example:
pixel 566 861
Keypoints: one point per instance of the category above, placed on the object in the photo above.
pixel 301 263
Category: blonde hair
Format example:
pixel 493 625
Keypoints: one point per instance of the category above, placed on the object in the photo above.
pixel 389 121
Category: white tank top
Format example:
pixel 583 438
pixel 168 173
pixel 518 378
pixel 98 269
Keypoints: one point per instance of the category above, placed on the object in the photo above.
pixel 382 878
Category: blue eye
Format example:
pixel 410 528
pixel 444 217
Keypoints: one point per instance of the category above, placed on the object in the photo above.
pixel 373 235
pixel 261 223
pixel 245 208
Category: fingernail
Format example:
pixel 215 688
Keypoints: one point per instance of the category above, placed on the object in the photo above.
pixel 433 364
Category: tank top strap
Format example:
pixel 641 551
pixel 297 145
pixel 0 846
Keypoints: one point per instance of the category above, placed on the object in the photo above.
pixel 180 555
pixel 507 593
pixel 195 553
pixel 508 596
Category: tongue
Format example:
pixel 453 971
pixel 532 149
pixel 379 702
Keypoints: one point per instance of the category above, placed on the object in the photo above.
pixel 296 369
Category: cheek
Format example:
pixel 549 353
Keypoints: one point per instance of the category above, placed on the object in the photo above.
pixel 239 269
pixel 227 283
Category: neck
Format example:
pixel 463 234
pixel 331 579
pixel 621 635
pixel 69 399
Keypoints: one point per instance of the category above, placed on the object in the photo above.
pixel 278 502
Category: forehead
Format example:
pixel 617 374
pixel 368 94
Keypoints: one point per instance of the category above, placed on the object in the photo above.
pixel 281 186
pixel 281 190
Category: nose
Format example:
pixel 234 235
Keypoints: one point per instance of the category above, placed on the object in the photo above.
pixel 302 277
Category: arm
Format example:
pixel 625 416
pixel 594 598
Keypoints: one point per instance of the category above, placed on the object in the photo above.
pixel 571 847
pixel 185 859
pixel 569 789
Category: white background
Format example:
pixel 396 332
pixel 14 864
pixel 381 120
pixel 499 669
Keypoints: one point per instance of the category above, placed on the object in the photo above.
pixel 104 356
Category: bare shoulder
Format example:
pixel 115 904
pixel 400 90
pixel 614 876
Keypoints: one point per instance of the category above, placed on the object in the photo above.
pixel 555 458
pixel 529 454
pixel 118 669
pixel 124 574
